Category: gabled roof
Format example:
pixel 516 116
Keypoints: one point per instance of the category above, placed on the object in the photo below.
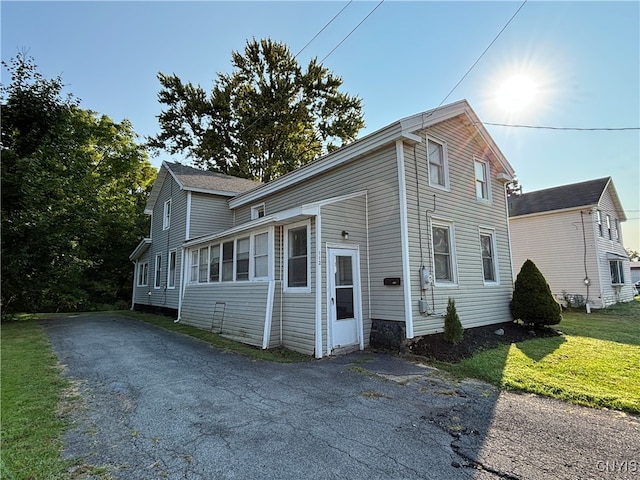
pixel 402 129
pixel 196 180
pixel 575 195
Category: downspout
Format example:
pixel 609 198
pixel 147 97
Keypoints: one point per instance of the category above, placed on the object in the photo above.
pixel 318 346
pixel 181 291
pixel 404 236
pixel 366 210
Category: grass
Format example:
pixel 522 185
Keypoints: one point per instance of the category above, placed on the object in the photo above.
pixel 32 388
pixel 278 354
pixel 594 362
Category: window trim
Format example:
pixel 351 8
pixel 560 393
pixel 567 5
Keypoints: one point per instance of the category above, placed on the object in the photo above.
pixel 158 272
pixel 255 211
pixel 452 252
pixel 491 233
pixel 445 164
pixel 166 215
pixel 287 229
pixel 619 271
pixel 143 271
pixel 171 278
pixel 487 178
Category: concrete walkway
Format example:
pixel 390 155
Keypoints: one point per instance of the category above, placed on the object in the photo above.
pixel 162 405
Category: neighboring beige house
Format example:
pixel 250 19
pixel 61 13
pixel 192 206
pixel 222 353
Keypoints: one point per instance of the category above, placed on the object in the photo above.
pixel 573 235
pixel 364 245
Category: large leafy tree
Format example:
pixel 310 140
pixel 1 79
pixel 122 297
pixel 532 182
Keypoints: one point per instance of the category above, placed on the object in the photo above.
pixel 266 118
pixel 74 185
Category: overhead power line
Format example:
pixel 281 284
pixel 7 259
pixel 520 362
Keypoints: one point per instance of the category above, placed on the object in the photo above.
pixel 323 28
pixel 578 129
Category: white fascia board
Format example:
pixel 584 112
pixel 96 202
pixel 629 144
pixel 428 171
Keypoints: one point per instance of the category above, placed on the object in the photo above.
pixel 222 193
pixel 350 152
pixel 140 249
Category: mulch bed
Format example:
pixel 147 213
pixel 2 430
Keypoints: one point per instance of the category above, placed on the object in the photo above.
pixel 475 340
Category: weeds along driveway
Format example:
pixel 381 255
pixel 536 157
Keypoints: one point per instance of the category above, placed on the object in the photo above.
pixel 162 405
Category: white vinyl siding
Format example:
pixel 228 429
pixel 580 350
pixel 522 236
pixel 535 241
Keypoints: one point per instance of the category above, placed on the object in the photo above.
pixel 209 214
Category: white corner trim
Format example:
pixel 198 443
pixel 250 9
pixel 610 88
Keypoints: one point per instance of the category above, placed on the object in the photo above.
pixel 268 315
pixel 404 235
pixel 318 313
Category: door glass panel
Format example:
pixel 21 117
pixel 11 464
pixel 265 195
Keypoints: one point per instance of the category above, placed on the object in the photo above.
pixel 344 303
pixel 344 271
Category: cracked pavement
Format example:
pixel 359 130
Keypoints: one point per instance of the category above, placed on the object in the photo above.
pixel 162 405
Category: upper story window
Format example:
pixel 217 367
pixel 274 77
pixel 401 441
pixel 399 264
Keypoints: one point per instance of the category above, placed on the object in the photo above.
pixel 599 222
pixel 171 270
pixel 437 158
pixel 609 234
pixel 617 230
pixel 257 211
pixel 143 274
pixel 482 179
pixel 444 258
pixel 166 215
pixel 297 246
pixel 617 272
pixel 488 252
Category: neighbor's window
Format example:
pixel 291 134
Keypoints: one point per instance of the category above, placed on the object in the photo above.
pixel 158 271
pixel 487 246
pixel 171 270
pixel 194 266
pixel 203 267
pixel 617 273
pixel 143 274
pixel 166 216
pixel 482 179
pixel 227 261
pixel 261 255
pixel 214 269
pixel 437 163
pixel 297 258
pixel 242 259
pixel 599 221
pixel 443 253
pixel 257 211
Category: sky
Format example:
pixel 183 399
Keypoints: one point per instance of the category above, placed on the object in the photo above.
pixel 580 61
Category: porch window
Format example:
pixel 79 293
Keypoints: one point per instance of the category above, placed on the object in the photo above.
pixel 214 269
pixel 193 277
pixel 617 272
pixel 261 255
pixel 158 271
pixel 227 261
pixel 171 270
pixel 443 253
pixel 143 274
pixel 203 267
pixel 437 164
pixel 242 259
pixel 297 258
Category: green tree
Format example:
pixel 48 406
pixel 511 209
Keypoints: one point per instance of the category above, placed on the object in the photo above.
pixel 453 331
pixel 533 302
pixel 74 185
pixel 266 118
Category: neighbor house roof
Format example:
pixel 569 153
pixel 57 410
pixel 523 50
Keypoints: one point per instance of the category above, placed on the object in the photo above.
pixel 575 195
pixel 196 180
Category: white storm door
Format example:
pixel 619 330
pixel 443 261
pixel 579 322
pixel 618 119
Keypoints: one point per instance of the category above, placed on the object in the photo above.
pixel 344 307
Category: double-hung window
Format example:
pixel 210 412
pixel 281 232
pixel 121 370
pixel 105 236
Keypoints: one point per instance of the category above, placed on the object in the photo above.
pixel 609 227
pixel 617 231
pixel 227 261
pixel 193 277
pixel 214 268
pixel 143 274
pixel 436 156
pixel 599 222
pixel 488 252
pixel 171 270
pixel 242 259
pixel 203 266
pixel 261 255
pixel 297 248
pixel 166 215
pixel 158 271
pixel 482 179
pixel 617 272
pixel 444 258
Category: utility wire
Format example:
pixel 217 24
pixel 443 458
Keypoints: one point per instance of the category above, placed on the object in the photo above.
pixel 483 53
pixel 322 30
pixel 579 129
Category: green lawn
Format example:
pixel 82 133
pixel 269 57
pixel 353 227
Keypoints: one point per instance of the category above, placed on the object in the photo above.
pixel 596 362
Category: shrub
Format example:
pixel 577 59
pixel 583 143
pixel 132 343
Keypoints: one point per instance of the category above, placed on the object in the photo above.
pixel 453 330
pixel 533 302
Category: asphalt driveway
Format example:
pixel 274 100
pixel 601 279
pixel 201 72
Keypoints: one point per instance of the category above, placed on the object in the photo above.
pixel 161 405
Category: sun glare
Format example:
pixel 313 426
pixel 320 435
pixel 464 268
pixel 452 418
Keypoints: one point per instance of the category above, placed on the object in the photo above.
pixel 516 93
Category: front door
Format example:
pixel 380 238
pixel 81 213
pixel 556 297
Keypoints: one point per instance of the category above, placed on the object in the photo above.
pixel 344 304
